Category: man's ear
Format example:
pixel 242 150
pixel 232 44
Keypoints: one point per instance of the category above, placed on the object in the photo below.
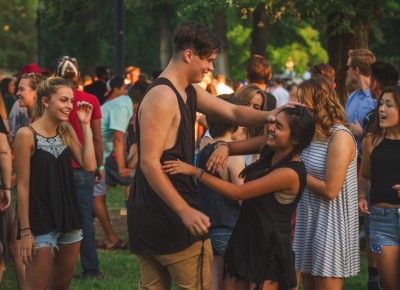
pixel 187 55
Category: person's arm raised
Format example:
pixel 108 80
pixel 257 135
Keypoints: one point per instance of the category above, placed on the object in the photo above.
pixel 239 115
pixel 83 155
pixel 341 151
pixel 157 113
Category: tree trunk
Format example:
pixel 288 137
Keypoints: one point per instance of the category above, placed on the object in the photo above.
pixel 164 37
pixel 221 29
pixel 259 32
pixel 338 48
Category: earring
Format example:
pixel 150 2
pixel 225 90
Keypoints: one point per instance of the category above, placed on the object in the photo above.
pixel 46 105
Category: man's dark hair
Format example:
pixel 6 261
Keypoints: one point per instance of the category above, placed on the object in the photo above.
pixel 197 37
pixel 258 69
pixel 101 71
pixel 138 91
pixel 116 82
pixel 218 127
pixel 385 73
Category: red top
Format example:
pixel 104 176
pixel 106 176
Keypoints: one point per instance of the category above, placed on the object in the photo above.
pixel 80 96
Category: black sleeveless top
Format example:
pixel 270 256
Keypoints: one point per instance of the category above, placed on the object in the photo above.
pixel 385 172
pixel 260 246
pixel 53 201
pixel 153 227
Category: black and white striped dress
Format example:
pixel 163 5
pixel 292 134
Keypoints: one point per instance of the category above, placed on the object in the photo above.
pixel 326 234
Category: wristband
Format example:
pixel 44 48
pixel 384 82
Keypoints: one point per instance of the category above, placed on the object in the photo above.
pixel 199 174
pixel 222 143
pixel 4 188
pixel 27 235
pixel 100 168
pixel 24 229
pixel 361 197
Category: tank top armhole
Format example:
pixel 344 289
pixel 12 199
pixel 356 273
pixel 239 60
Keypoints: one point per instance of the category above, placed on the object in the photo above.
pixel 339 127
pixel 34 138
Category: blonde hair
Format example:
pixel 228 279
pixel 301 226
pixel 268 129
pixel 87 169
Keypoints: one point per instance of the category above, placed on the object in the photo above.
pixel 320 98
pixel 363 59
pixel 46 89
pixel 245 94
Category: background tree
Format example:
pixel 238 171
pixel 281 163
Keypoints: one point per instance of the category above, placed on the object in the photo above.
pixel 17 34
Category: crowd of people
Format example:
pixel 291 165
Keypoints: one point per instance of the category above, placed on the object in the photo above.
pixel 271 197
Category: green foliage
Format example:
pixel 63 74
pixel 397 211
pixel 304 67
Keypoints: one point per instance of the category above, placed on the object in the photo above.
pixel 17 34
pixel 239 41
pixel 84 29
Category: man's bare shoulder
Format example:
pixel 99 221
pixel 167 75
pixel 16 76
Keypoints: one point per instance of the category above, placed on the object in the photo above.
pixel 160 95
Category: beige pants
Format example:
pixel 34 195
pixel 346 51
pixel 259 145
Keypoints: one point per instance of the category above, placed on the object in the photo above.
pixel 158 271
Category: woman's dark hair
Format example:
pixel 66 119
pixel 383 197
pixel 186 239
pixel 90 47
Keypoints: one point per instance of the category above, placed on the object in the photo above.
pixel 302 129
pixel 218 127
pixel 4 83
pixel 376 130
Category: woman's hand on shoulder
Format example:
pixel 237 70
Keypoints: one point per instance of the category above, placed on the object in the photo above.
pixel 218 159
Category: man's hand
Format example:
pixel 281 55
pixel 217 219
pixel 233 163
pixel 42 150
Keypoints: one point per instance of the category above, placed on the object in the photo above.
pixel 98 176
pixel 126 172
pixel 272 114
pixel 195 221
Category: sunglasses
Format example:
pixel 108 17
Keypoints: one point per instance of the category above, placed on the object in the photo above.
pixel 32 75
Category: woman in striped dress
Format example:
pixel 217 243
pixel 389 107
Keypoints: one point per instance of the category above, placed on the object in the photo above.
pixel 326 233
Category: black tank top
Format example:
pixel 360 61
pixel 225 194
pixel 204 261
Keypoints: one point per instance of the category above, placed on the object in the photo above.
pixel 385 172
pixel 153 227
pixel 53 201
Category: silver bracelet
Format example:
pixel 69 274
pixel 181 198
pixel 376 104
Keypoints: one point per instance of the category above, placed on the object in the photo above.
pixel 199 174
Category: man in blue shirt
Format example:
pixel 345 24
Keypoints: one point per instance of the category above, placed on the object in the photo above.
pixel 359 102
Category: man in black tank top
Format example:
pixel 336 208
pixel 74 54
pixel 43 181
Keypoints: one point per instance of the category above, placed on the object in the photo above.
pixel 167 232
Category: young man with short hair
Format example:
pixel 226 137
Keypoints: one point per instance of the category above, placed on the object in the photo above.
pixel 167 231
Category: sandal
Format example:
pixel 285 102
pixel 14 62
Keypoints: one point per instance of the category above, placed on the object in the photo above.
pixel 119 245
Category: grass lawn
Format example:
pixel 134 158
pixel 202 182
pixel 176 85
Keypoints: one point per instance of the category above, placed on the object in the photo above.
pixel 120 265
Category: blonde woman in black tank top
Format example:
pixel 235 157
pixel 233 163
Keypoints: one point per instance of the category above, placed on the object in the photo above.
pixel 48 209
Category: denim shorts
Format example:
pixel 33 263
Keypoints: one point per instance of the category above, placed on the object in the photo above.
pixel 384 228
pixel 100 188
pixel 219 240
pixel 52 239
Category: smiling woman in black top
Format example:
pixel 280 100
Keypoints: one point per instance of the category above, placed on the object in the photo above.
pixel 259 253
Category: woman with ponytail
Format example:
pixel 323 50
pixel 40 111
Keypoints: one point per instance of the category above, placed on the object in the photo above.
pixel 48 209
pixel 259 253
